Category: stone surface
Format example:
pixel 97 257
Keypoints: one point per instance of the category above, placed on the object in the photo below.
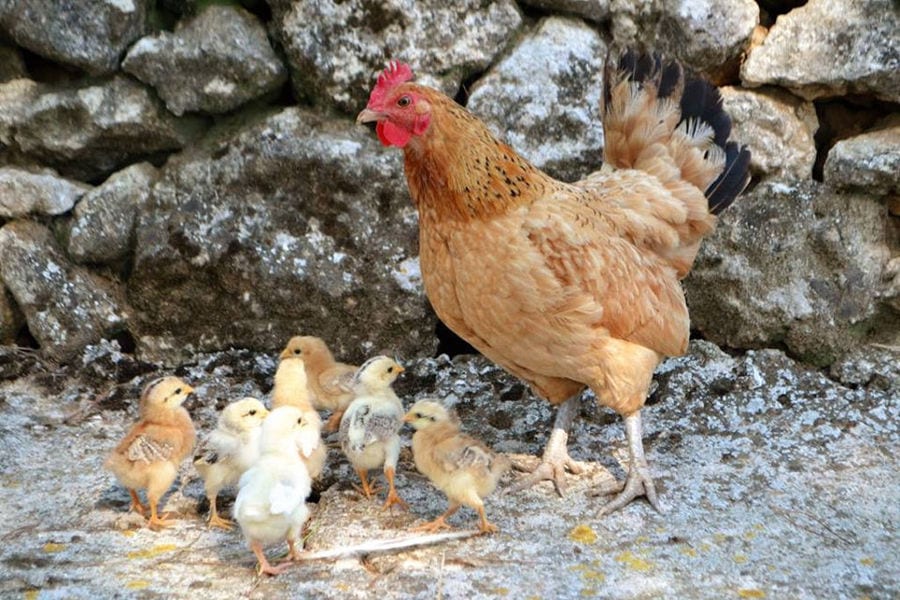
pixel 88 34
pixel 550 112
pixel 594 10
pixel 705 34
pixel 756 459
pixel 66 306
pixel 777 127
pixel 830 48
pixel 11 64
pixel 11 318
pixel 335 48
pixel 296 223
pixel 213 62
pixel 102 226
pixel 870 161
pixel 42 192
pixel 89 130
pixel 800 266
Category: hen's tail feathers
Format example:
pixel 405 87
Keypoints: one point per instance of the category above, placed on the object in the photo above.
pixel 659 118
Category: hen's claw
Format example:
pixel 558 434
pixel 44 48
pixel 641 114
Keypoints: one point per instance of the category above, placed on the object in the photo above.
pixel 638 482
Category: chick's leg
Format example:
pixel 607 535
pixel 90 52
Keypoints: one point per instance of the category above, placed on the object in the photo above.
pixel 556 458
pixel 638 482
pixel 264 567
pixel 367 489
pixel 214 519
pixel 392 497
pixel 334 421
pixel 136 504
pixel 440 522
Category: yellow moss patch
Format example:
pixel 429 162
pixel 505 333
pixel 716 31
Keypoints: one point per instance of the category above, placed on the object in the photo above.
pixel 501 591
pixel 128 532
pixel 137 584
pixel 154 551
pixel 629 559
pixel 867 561
pixel 751 593
pixel 31 594
pixel 687 551
pixel 54 547
pixel 583 534
pixel 740 558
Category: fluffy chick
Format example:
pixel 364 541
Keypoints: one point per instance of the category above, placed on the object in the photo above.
pixel 271 501
pixel 149 455
pixel 330 382
pixel 462 467
pixel 291 389
pixel 229 450
pixel 370 427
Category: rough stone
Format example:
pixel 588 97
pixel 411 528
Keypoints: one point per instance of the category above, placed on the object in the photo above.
pixel 43 192
pixel 11 318
pixel 334 48
pixel 293 224
pixel 705 34
pixel 777 127
pixel 755 458
pixel 594 10
pixel 66 306
pixel 102 227
pixel 213 62
pixel 11 64
pixel 88 34
pixel 550 112
pixel 870 161
pixel 831 48
pixel 89 130
pixel 799 266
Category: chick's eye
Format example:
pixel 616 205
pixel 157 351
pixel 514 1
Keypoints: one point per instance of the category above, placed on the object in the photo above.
pixel 403 101
pixel 298 351
pixel 178 391
pixel 253 412
pixel 390 369
pixel 300 421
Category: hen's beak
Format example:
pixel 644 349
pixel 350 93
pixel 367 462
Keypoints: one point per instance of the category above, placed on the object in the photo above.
pixel 368 116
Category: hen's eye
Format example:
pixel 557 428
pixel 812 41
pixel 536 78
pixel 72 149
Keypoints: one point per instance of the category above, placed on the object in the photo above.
pixel 253 412
pixel 403 101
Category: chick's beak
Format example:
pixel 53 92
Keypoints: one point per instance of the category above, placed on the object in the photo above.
pixel 408 418
pixel 368 115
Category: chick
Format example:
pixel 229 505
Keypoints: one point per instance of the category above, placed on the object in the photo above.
pixel 457 464
pixel 330 383
pixel 148 457
pixel 291 389
pixel 271 501
pixel 229 450
pixel 370 427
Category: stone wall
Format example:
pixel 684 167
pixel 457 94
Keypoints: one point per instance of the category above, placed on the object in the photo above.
pixel 187 176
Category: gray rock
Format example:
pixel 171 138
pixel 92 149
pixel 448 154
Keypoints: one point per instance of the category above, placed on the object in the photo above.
pixel 43 192
pixel 707 36
pixel 11 64
pixel 90 130
pixel 102 227
pixel 66 307
pixel 549 112
pixel 334 48
pixel 777 127
pixel 831 48
pixel 11 319
pixel 88 34
pixel 595 10
pixel 870 161
pixel 797 265
pixel 213 62
pixel 292 224
pixel 755 457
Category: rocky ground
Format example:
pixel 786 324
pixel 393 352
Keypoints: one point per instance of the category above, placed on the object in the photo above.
pixel 778 481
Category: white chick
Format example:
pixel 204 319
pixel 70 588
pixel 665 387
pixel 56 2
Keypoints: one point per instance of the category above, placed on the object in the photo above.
pixel 370 427
pixel 290 389
pixel 271 502
pixel 457 464
pixel 229 450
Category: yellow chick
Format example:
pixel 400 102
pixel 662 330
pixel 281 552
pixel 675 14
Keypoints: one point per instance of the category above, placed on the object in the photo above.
pixel 370 427
pixel 457 464
pixel 291 389
pixel 271 501
pixel 330 383
pixel 148 457
pixel 229 450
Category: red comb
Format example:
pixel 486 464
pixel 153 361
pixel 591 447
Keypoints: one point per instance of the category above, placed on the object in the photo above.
pixel 394 74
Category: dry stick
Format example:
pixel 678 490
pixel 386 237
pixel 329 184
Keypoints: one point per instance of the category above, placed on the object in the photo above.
pixel 371 547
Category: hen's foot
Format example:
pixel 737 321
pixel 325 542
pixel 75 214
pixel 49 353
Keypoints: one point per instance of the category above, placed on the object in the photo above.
pixel 638 482
pixel 555 460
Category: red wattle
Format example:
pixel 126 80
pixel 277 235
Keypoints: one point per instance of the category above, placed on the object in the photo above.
pixel 392 135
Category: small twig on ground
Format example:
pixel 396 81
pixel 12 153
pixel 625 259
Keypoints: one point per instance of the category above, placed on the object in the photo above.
pixel 392 545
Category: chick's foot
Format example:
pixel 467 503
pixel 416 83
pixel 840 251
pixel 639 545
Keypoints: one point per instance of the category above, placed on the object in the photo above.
pixel 555 460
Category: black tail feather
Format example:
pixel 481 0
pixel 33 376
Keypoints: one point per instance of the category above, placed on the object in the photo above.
pixel 732 180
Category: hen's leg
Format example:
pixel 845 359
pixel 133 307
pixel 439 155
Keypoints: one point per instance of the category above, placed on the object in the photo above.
pixel 638 482
pixel 556 458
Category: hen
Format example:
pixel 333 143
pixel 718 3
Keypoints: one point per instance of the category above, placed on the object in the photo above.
pixel 569 285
